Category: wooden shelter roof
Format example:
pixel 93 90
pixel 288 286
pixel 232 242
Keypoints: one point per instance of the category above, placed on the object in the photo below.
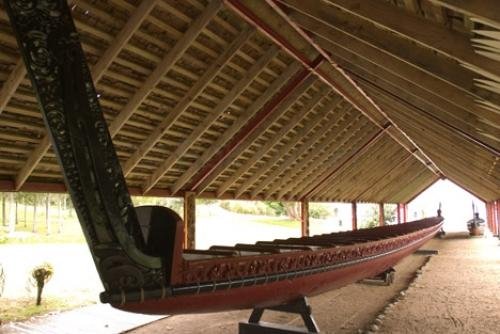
pixel 338 100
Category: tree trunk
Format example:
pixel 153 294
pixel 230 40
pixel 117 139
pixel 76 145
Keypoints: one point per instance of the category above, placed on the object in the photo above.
pixel 16 207
pixel 4 213
pixel 39 293
pixel 35 198
pixel 47 211
pixel 12 214
pixel 25 212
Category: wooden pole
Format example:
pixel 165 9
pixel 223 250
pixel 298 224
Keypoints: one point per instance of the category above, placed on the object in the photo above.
pixel 354 216
pixel 405 213
pixel 47 212
pixel 398 213
pixel 304 217
pixel 12 214
pixel 381 215
pixel 497 214
pixel 190 220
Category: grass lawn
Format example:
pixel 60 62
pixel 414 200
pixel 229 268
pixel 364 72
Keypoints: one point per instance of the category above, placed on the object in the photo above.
pixel 22 309
pixel 279 221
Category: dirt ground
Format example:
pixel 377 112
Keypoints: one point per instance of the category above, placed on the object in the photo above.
pixel 346 310
pixel 456 291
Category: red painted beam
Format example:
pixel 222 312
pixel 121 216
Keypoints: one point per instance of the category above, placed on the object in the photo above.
pixel 369 143
pixel 304 218
pixel 497 214
pixel 251 126
pixel 354 216
pixel 256 21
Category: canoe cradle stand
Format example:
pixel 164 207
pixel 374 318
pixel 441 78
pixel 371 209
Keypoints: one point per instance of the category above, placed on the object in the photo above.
pixel 300 306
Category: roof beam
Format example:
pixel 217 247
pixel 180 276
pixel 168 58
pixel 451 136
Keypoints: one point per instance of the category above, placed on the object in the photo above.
pixel 301 134
pixel 184 103
pixel 164 66
pixel 478 10
pixel 463 129
pixel 380 45
pixel 233 94
pixel 13 81
pixel 323 179
pixel 241 141
pixel 236 134
pixel 232 132
pixel 315 157
pixel 419 30
pixel 334 76
pixel 418 83
pixel 97 72
pixel 289 125
pixel 300 183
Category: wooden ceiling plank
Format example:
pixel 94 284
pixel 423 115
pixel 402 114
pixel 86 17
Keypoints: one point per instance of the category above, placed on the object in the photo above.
pixel 444 150
pixel 481 11
pixel 305 181
pixel 249 114
pixel 344 184
pixel 378 44
pixel 237 89
pixel 97 72
pixel 334 76
pixel 464 129
pixel 397 165
pixel 445 95
pixel 292 148
pixel 324 178
pixel 314 157
pixel 305 109
pixel 227 135
pixel 165 65
pixel 184 103
pixel 419 30
pixel 295 86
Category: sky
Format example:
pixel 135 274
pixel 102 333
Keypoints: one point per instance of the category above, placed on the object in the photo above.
pixel 456 205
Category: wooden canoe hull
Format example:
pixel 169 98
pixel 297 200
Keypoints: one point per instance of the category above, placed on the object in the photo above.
pixel 279 292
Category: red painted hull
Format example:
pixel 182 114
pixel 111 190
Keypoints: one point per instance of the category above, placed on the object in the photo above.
pixel 277 292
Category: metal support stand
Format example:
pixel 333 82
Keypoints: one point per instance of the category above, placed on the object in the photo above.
pixel 384 278
pixel 299 306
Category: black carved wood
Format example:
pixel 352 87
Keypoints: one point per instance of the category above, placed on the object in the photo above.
pixel 56 65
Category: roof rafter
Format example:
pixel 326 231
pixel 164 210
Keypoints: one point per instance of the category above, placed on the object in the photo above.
pixel 323 179
pixel 237 89
pixel 97 72
pixel 295 86
pixel 252 112
pixel 324 160
pixel 184 103
pixel 164 66
pixel 419 30
pixel 300 134
pixel 289 125
pixel 335 77
pixel 478 10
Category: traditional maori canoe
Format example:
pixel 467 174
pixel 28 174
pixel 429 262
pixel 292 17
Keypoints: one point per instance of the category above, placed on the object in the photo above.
pixel 138 252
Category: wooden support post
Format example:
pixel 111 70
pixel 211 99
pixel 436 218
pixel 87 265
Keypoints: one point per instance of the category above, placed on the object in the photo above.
pixel 405 213
pixel 497 215
pixel 398 213
pixel 189 220
pixel 381 216
pixel 354 216
pixel 304 217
